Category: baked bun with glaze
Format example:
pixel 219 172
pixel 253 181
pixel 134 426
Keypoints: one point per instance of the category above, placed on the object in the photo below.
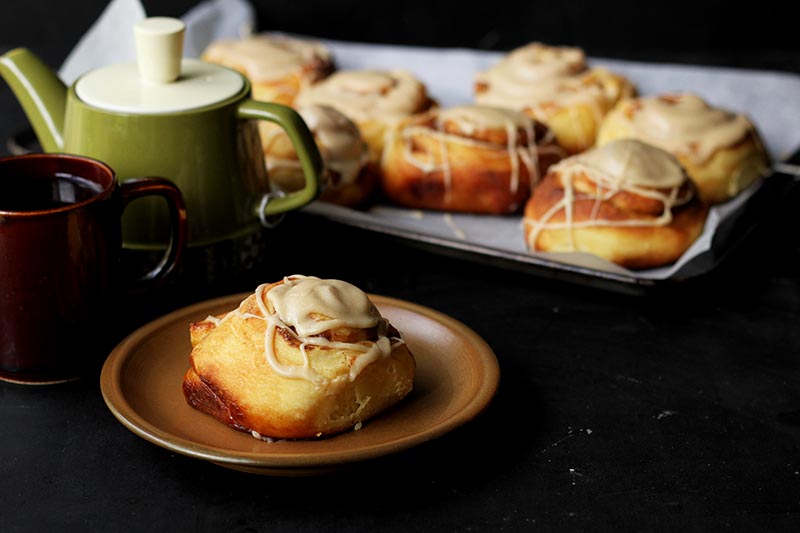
pixel 375 100
pixel 348 178
pixel 300 358
pixel 277 66
pixel 628 202
pixel 471 159
pixel 555 86
pixel 721 150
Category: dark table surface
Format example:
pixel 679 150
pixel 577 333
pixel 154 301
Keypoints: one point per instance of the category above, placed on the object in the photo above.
pixel 614 411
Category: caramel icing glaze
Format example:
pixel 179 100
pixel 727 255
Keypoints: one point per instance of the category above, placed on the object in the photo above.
pixel 684 124
pixel 267 58
pixel 542 79
pixel 621 165
pixel 532 63
pixel 367 94
pixel 306 307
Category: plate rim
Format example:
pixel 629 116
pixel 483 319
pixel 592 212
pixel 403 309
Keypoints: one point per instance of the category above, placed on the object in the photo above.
pixel 116 401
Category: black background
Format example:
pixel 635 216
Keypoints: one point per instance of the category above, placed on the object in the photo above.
pixel 755 34
pixel 675 411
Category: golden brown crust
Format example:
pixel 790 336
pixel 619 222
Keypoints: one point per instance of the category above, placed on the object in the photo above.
pixel 632 246
pixel 730 170
pixel 576 125
pixel 427 165
pixel 198 330
pixel 231 379
pixel 203 397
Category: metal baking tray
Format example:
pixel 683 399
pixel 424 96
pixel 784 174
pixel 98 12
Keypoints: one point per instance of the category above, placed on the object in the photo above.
pixel 770 99
pixel 728 236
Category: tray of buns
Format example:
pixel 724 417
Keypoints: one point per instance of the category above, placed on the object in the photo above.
pixel 543 158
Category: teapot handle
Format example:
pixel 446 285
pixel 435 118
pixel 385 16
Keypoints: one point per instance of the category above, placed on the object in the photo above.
pixel 303 143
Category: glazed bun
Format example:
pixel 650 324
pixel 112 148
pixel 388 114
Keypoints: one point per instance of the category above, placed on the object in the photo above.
pixel 348 178
pixel 721 150
pixel 300 358
pixel 375 100
pixel 471 159
pixel 278 67
pixel 555 86
pixel 628 202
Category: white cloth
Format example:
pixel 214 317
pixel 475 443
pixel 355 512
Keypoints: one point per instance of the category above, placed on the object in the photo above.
pixel 110 39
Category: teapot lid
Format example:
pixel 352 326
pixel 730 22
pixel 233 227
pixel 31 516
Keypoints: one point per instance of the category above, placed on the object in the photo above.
pixel 160 81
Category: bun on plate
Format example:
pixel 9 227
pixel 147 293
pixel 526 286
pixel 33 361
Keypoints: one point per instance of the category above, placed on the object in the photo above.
pixel 300 358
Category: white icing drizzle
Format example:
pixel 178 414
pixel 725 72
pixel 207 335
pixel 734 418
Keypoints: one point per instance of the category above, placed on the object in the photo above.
pixel 469 119
pixel 683 124
pixel 299 302
pixel 458 232
pixel 341 146
pixel 622 165
pixel 267 58
pixel 215 320
pixel 256 435
pixel 367 94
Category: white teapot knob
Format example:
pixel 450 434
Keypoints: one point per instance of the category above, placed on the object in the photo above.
pixel 159 48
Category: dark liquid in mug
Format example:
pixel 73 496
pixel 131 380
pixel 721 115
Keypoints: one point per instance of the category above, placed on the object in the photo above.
pixel 37 193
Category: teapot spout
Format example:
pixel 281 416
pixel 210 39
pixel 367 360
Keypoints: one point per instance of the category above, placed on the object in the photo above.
pixel 40 92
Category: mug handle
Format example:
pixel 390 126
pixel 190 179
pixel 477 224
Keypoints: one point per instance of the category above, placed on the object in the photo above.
pixel 179 229
pixel 303 143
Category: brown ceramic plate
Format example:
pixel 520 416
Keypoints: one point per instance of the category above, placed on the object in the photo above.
pixel 457 376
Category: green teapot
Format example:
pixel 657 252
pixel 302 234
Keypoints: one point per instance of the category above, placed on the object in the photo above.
pixel 190 121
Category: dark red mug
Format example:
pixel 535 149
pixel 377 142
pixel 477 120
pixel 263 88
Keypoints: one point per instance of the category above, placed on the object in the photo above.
pixel 60 250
